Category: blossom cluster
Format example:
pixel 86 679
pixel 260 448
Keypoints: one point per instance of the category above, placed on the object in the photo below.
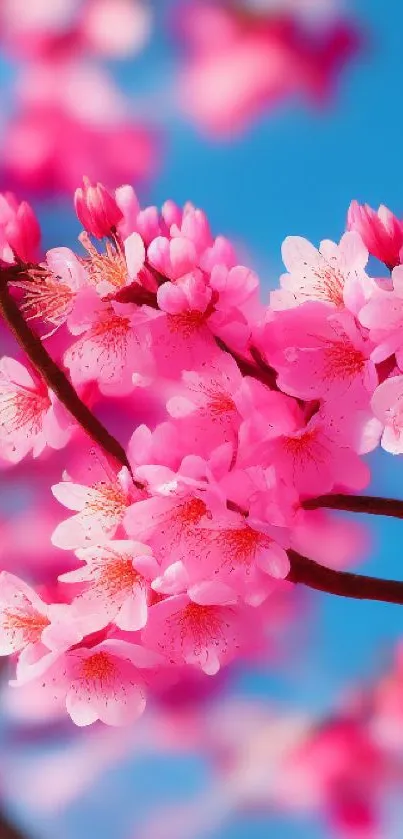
pixel 230 414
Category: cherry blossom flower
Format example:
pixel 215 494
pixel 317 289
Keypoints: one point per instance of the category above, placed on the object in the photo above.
pixel 105 682
pixel 203 632
pixel 331 358
pixel 31 417
pixel 30 625
pixel 237 553
pixel 206 410
pixel 109 351
pixel 52 288
pixel 100 504
pixel 118 576
pixel 46 148
pixel 168 524
pixel 334 274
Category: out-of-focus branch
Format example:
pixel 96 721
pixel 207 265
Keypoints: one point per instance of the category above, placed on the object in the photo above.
pixel 9 830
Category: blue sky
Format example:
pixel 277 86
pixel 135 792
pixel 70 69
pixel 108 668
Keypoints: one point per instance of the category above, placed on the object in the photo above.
pixel 294 172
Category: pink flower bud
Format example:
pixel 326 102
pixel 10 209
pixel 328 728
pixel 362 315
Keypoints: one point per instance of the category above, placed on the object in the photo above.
pixel 97 209
pixel 23 232
pixel 381 232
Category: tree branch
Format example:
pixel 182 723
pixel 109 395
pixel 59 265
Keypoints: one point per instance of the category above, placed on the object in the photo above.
pixel 54 377
pixel 260 370
pixel 8 830
pixel 370 504
pixel 342 583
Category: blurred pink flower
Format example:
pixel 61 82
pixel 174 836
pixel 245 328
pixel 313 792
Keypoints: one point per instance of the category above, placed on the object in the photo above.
pixel 239 63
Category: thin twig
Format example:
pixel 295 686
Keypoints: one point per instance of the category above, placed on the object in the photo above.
pixel 343 583
pixel 262 372
pixel 371 504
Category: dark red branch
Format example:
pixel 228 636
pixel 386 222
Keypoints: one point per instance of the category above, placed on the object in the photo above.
pixel 54 377
pixel 342 583
pixel 8 830
pixel 262 372
pixel 371 504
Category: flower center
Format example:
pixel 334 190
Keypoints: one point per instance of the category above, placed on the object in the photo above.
pixel 202 623
pixel 108 499
pixel 112 327
pixel 46 298
pixel 329 285
pixel 191 512
pixel 343 360
pixel 107 267
pixel 187 323
pixel 98 667
pixel 118 575
pixel 30 625
pixel 240 545
pixel 21 408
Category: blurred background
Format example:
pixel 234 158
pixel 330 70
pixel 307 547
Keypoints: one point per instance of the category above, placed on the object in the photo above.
pixel 271 115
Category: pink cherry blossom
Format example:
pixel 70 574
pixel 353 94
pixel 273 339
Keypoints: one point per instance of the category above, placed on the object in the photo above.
pixel 51 290
pixel 48 149
pixel 311 459
pixel 115 29
pixel 206 413
pixel 173 258
pixel 234 285
pixel 105 682
pixel 115 268
pixel 331 358
pixel 239 554
pixel 202 634
pixel 23 616
pixel 334 274
pixel 31 417
pixel 168 524
pixel 135 219
pixel 108 345
pixel 100 505
pixel 30 625
pixel 118 576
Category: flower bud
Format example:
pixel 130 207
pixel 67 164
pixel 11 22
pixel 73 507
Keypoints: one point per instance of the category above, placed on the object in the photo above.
pixel 21 228
pixel 97 209
pixel 381 232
